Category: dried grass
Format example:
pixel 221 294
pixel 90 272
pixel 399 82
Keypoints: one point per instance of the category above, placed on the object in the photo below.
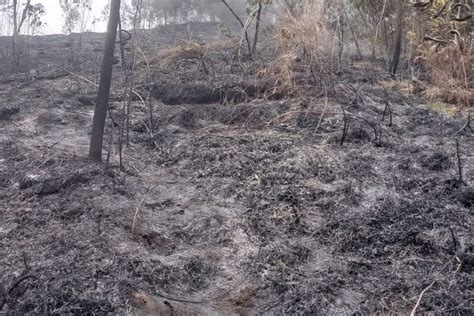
pixel 299 37
pixel 451 73
pixel 303 34
pixel 185 51
pixel 195 51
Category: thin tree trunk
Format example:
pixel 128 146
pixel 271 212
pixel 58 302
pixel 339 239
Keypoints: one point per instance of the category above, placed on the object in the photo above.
pixel 387 46
pixel 356 42
pixel 257 28
pixel 382 18
pixel 122 46
pixel 340 42
pixel 100 113
pixel 398 41
pixel 15 27
pixel 242 24
pixel 137 19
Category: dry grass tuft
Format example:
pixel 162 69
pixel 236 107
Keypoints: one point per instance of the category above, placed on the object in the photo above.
pixel 304 33
pixel 451 73
pixel 280 76
pixel 185 51
pixel 299 38
pixel 195 51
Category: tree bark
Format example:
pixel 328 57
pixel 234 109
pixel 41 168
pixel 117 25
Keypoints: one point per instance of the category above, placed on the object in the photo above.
pixel 398 40
pixel 15 27
pixel 100 113
pixel 257 28
pixel 23 16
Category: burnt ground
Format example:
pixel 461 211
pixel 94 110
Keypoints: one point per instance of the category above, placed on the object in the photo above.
pixel 232 200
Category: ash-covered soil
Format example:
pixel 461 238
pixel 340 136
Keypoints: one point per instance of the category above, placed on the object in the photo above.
pixel 232 199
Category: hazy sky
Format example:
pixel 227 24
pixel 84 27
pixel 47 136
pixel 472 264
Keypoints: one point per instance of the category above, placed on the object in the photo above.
pixel 54 18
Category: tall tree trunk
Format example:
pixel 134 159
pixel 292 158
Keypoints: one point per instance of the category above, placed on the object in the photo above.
pixel 17 24
pixel 377 27
pixel 100 113
pixel 387 45
pixel 122 46
pixel 356 42
pixel 15 27
pixel 340 42
pixel 257 28
pixel 398 40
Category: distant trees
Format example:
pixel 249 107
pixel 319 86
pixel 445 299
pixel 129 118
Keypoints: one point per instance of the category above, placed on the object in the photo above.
pixel 22 13
pixel 100 113
pixel 76 14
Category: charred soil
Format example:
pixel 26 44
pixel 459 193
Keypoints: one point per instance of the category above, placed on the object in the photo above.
pixel 232 199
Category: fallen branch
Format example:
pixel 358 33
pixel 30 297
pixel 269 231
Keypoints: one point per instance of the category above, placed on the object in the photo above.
pixel 97 85
pixel 137 208
pixel 418 302
pixel 426 289
pixel 18 282
pixel 348 114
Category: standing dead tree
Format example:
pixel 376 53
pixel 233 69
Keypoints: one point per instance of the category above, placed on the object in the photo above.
pixel 249 48
pixel 257 27
pixel 259 4
pixel 398 39
pixel 100 113
pixel 17 24
pixel 19 15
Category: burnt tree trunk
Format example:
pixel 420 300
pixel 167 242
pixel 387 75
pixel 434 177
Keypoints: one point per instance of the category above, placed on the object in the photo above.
pixel 257 27
pixel 398 40
pixel 15 27
pixel 242 24
pixel 100 113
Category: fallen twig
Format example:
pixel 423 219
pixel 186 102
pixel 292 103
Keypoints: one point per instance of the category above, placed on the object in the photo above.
pixel 17 283
pixel 426 289
pixel 458 154
pixel 137 209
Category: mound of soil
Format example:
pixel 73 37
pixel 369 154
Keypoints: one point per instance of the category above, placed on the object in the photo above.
pixel 7 113
pixel 201 93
